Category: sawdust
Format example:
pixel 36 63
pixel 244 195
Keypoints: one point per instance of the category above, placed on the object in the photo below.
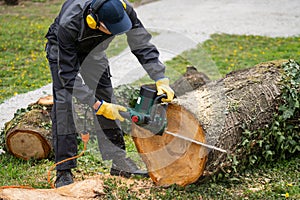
pixel 90 188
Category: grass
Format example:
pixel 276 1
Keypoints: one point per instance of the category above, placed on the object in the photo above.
pixel 273 181
pixel 24 68
pixel 233 52
pixel 269 181
pixel 224 53
pixel 23 61
pixel 22 43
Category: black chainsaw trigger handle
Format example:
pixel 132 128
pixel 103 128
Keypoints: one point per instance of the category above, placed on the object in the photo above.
pixel 159 98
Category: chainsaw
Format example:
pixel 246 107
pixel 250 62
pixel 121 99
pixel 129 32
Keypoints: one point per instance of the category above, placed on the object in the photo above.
pixel 150 113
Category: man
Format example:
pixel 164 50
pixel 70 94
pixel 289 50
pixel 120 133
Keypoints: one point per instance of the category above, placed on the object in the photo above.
pixel 75 50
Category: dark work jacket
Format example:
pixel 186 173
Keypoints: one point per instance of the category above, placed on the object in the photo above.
pixel 71 42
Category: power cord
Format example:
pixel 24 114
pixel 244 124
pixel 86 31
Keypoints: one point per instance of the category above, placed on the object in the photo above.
pixel 85 136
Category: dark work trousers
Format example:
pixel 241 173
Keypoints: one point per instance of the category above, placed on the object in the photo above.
pixel 109 135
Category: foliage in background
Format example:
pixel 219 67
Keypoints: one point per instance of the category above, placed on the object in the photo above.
pixel 281 139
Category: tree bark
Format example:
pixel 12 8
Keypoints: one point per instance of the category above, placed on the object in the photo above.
pixel 216 114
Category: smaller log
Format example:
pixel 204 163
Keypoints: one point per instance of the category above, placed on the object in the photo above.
pixel 46 101
pixel 191 80
pixel 28 134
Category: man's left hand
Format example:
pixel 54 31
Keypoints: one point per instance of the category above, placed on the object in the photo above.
pixel 163 87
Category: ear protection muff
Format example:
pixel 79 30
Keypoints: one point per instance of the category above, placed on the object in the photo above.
pixel 92 18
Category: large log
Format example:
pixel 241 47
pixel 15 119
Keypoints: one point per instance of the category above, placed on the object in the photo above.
pixel 215 114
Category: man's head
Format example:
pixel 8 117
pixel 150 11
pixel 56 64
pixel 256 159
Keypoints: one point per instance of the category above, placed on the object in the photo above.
pixel 111 14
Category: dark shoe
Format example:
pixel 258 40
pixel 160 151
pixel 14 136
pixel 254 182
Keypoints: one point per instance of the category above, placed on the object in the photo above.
pixel 126 167
pixel 63 177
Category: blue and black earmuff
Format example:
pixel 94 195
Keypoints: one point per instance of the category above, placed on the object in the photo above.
pixel 92 18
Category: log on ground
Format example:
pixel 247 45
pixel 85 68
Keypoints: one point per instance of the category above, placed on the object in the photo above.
pixel 28 134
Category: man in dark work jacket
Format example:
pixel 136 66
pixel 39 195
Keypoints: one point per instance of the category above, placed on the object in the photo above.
pixel 79 67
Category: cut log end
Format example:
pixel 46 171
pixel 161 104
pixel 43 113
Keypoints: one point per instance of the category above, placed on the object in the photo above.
pixel 28 136
pixel 27 144
pixel 169 159
pixel 46 101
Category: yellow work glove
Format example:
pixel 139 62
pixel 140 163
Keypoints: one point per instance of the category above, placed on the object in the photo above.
pixel 163 87
pixel 111 111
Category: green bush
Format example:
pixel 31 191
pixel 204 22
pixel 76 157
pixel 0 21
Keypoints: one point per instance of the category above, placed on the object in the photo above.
pixel 281 139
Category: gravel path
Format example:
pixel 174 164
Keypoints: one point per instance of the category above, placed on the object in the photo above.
pixel 184 23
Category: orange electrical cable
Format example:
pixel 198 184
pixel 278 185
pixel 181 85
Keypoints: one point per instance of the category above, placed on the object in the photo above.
pixel 85 138
pixel 16 186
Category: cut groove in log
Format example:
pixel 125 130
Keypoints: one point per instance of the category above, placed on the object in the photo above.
pixel 170 159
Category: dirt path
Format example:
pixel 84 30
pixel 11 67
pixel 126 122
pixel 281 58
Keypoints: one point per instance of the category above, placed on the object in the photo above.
pixel 200 18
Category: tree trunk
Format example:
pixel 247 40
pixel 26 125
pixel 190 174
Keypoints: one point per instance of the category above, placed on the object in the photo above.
pixel 215 114
pixel 28 134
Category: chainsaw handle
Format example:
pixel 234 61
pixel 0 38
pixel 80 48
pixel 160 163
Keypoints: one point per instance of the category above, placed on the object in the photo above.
pixel 125 114
pixel 159 98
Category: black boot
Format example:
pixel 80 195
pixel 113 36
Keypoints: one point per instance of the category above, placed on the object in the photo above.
pixel 126 167
pixel 63 177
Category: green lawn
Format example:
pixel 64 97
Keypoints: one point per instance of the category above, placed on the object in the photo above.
pixel 24 68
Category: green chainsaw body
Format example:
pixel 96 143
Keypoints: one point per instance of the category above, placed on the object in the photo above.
pixel 149 111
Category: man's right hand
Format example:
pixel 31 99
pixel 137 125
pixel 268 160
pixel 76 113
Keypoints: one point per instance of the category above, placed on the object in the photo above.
pixel 111 111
